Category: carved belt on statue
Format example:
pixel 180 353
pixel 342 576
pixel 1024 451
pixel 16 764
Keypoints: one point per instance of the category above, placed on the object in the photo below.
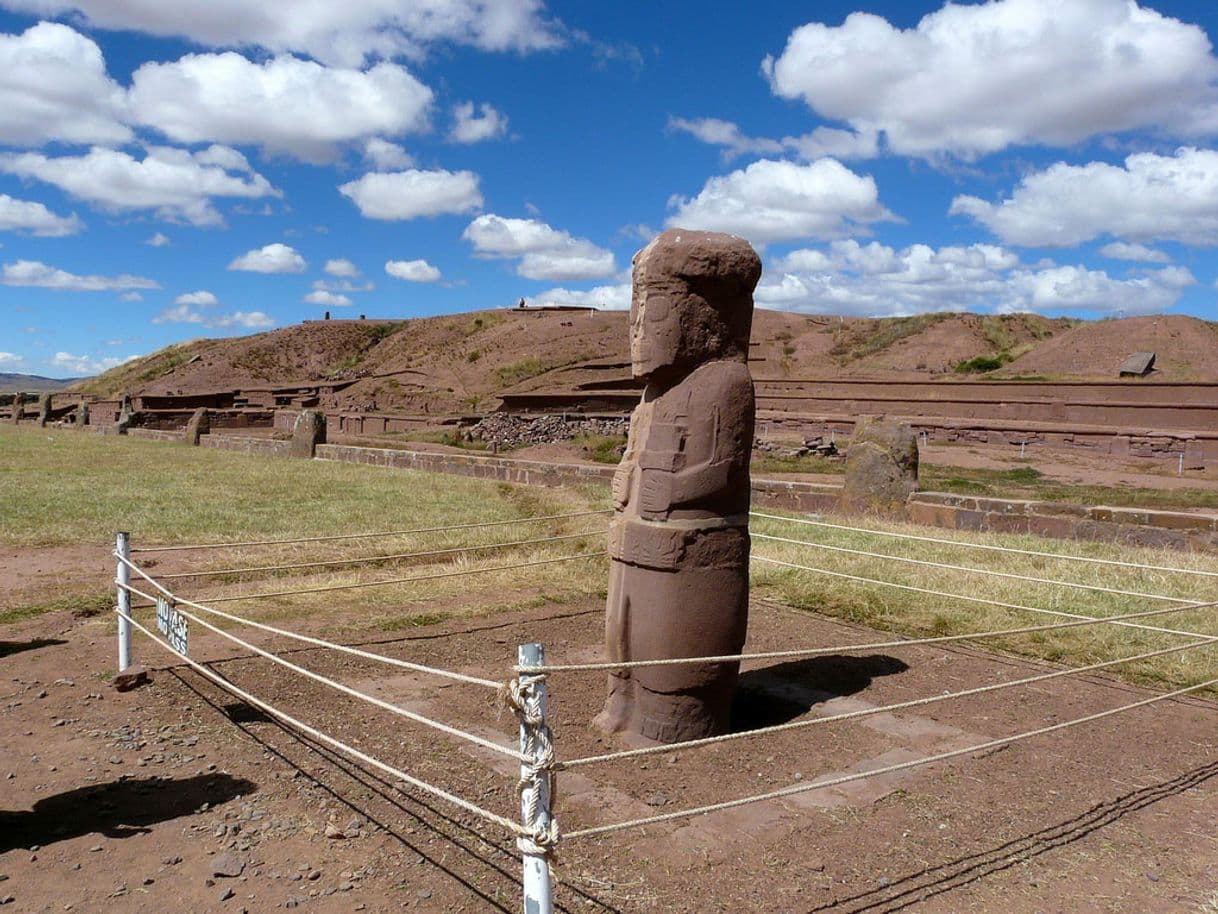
pixel 661 544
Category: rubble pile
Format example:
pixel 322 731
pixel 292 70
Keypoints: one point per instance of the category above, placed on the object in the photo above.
pixel 509 431
pixel 819 446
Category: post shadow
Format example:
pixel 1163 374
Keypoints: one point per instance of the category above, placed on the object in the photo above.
pixel 780 693
pixel 118 809
pixel 8 648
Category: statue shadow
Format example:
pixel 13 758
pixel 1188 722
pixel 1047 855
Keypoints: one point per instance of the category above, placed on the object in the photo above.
pixel 118 809
pixel 777 694
pixel 8 648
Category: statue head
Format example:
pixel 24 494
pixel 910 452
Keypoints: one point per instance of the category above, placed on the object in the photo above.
pixel 692 301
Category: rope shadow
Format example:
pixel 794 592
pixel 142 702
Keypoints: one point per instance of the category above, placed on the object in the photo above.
pixel 463 835
pixel 118 809
pixel 918 887
pixel 783 692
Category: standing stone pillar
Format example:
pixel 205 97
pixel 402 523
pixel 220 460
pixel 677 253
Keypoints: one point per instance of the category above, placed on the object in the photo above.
pixel 881 467
pixel 308 432
pixel 126 414
pixel 82 414
pixel 679 539
pixel 199 425
pixel 18 402
pixel 44 410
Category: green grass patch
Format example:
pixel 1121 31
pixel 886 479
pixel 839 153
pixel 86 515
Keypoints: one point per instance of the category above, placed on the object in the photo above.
pixel 764 463
pixel 67 488
pixel 601 448
pixel 83 607
pixel 521 371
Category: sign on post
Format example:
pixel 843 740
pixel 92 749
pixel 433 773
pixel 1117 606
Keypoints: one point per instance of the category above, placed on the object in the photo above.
pixel 172 624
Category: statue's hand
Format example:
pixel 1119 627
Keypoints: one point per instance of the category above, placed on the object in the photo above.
pixel 620 486
pixel 655 491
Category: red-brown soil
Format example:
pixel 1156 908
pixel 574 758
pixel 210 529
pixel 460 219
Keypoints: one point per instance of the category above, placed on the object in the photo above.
pixel 459 364
pixel 128 802
pixel 1186 348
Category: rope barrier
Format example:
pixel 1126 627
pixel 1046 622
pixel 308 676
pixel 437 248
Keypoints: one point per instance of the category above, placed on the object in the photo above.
pixel 505 823
pixel 983 600
pixel 966 568
pixel 318 642
pixel 866 645
pixel 947 542
pixel 347 690
pixel 356 536
pixel 881 709
pixel 887 769
pixel 330 588
pixel 376 558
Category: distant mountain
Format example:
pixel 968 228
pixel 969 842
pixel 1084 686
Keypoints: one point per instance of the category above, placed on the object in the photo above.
pixel 30 383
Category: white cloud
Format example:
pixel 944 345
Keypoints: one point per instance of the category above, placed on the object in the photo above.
pixel 284 105
pixel 344 33
pixel 327 299
pixel 613 298
pixel 823 141
pixel 412 270
pixel 1056 288
pixel 342 267
pixel 11 360
pixel 976 78
pixel 175 183
pixel 272 258
pixel 413 193
pixel 157 240
pixel 184 314
pixel 386 156
pixel 29 216
pixel 81 365
pixel 469 127
pixel 1152 197
pixel 1121 250
pixel 54 86
pixel 202 298
pixel 544 252
pixel 773 201
pixel 342 285
pixel 876 280
pixel 131 297
pixel 34 274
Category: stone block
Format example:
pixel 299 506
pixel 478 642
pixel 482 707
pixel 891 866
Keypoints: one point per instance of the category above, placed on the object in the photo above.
pixel 199 425
pixel 308 432
pixel 881 468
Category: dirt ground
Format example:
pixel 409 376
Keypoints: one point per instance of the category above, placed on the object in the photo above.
pixel 140 801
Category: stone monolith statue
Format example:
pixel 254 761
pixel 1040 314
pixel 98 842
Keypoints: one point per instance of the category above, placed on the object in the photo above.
pixel 881 467
pixel 308 431
pixel 44 410
pixel 679 538
pixel 18 403
pixel 198 425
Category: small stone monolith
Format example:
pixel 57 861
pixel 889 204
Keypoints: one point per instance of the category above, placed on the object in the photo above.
pixel 126 415
pixel 18 403
pixel 881 467
pixel 198 425
pixel 679 538
pixel 308 432
pixel 82 413
pixel 44 410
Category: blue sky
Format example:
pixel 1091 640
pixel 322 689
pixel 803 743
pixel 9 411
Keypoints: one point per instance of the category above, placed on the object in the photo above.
pixel 170 170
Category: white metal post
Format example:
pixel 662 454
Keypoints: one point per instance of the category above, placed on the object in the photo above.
pixel 123 547
pixel 535 793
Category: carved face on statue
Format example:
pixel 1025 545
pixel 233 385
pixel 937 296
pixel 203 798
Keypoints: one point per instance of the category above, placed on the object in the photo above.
pixel 692 301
